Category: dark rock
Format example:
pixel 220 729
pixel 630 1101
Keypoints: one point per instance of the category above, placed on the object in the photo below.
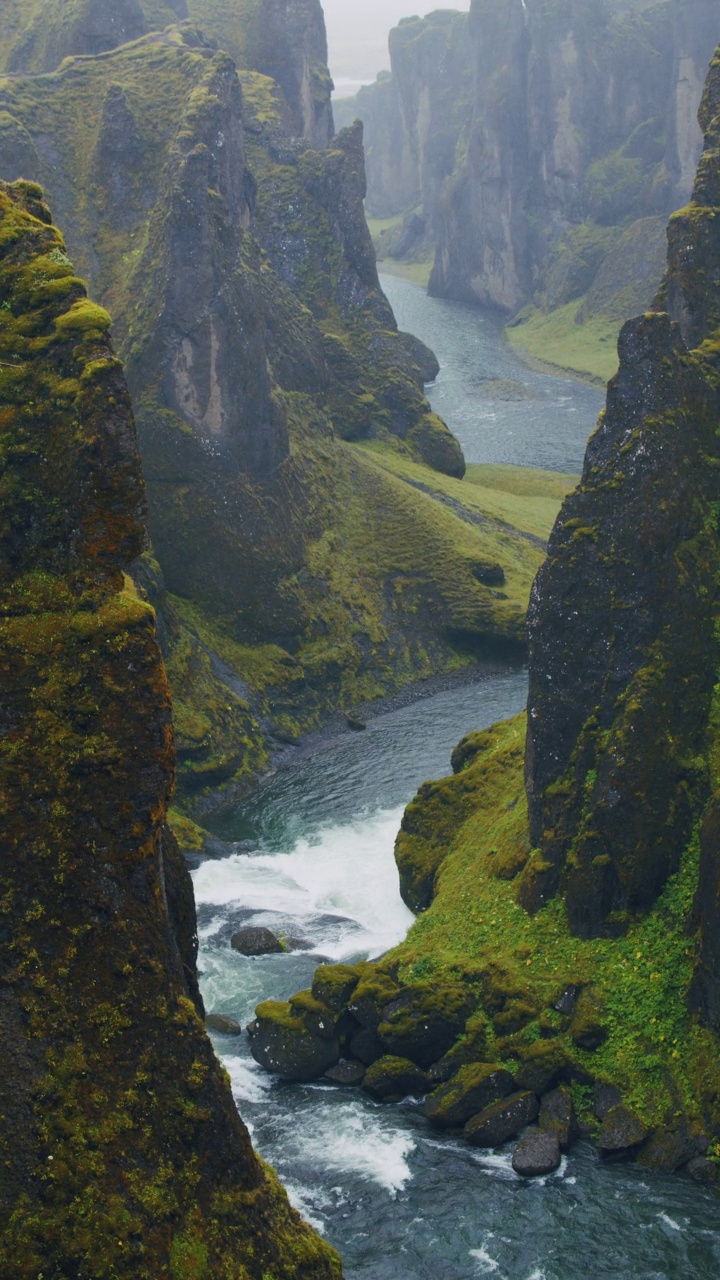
pixel 334 984
pixel 537 1152
pixel 317 1018
pixel 557 1117
pixel 474 1088
pixel 489 575
pixel 224 1026
pixel 423 1021
pixel 503 1120
pixel 392 1079
pixel 297 944
pixel 281 1043
pixel 543 1064
pixel 703 1170
pixel 353 723
pixel 366 1045
pixel 621 1131
pixel 672 1148
pixel 471 1049
pixel 605 1097
pixel 567 1001
pixel 347 1072
pixel 255 940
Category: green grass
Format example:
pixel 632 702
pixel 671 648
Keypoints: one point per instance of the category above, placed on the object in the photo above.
pixel 556 340
pixel 526 498
pixel 655 1052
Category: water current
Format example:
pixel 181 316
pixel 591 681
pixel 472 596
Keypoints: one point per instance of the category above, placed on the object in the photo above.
pixel 311 854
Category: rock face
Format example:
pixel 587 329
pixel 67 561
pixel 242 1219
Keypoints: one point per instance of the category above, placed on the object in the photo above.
pixel 108 1079
pixel 520 132
pixel 292 573
pixel 613 792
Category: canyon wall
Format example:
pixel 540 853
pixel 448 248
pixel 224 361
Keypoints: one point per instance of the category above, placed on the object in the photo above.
pixel 122 1150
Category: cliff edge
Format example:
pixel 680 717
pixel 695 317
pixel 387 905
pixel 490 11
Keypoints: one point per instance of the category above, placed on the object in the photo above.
pixel 122 1150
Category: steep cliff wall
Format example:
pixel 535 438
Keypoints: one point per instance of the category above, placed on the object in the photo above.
pixel 570 119
pixel 568 872
pixel 294 572
pixel 122 1151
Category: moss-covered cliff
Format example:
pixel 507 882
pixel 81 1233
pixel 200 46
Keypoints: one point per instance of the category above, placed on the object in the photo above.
pixel 122 1154
pixel 542 147
pixel 292 572
pixel 566 958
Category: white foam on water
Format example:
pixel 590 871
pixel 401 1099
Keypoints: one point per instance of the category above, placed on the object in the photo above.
pixel 345 870
pixel 669 1222
pixel 486 1264
pixel 301 1198
pixel 351 1139
pixel 537 1274
pixel 497 1164
pixel 249 1082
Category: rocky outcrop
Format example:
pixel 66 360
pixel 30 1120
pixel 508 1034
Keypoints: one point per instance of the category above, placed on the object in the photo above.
pixel 108 1080
pixel 38 35
pixel 292 572
pixel 576 899
pixel 512 138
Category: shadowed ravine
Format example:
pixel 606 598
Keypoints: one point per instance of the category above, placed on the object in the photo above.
pixel 396 1199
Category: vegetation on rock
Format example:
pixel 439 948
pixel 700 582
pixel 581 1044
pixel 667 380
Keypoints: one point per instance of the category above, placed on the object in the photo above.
pixel 123 1154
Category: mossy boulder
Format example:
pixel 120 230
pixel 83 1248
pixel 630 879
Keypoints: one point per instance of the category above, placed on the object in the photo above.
pixel 281 1043
pixel 588 1027
pixel 474 1088
pixel 622 1129
pixel 557 1117
pixel 391 1079
pixel 424 1020
pixel 333 985
pixel 503 1120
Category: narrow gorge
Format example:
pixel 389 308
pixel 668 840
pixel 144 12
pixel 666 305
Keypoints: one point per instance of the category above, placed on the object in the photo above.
pixel 306 500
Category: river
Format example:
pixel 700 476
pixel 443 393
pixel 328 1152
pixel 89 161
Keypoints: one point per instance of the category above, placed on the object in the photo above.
pixel 311 853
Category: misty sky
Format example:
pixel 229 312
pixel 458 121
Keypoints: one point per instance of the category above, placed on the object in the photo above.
pixel 358 35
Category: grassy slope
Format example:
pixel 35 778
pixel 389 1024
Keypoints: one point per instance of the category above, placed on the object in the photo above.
pixel 558 340
pixel 654 1053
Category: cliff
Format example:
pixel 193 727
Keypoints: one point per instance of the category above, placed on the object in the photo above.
pixel 572 125
pixel 565 963
pixel 122 1151
pixel 294 572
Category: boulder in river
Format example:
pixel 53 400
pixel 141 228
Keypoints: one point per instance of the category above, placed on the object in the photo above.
pixel 536 1153
pixel 557 1117
pixel 392 1079
pixel 501 1121
pixel 423 1021
pixel 347 1072
pixel 254 940
pixel 474 1088
pixel 621 1131
pixel 281 1043
pixel 222 1025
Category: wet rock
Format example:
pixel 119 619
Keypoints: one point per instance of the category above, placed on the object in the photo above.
pixel 537 1153
pixel 703 1170
pixel 605 1097
pixel 423 1021
pixel 621 1131
pixel 674 1147
pixel 281 1043
pixel 316 1017
pixel 392 1079
pixel 222 1025
pixel 474 1088
pixel 567 1001
pixel 557 1117
pixel 470 1050
pixel 297 944
pixel 334 985
pixel 366 1046
pixel 503 1120
pixel 352 722
pixel 347 1072
pixel 254 940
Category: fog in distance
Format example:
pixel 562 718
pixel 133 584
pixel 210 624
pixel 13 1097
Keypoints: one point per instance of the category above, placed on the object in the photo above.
pixel 358 36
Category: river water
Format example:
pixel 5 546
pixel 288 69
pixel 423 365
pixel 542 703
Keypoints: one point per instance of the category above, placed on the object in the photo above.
pixel 310 853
